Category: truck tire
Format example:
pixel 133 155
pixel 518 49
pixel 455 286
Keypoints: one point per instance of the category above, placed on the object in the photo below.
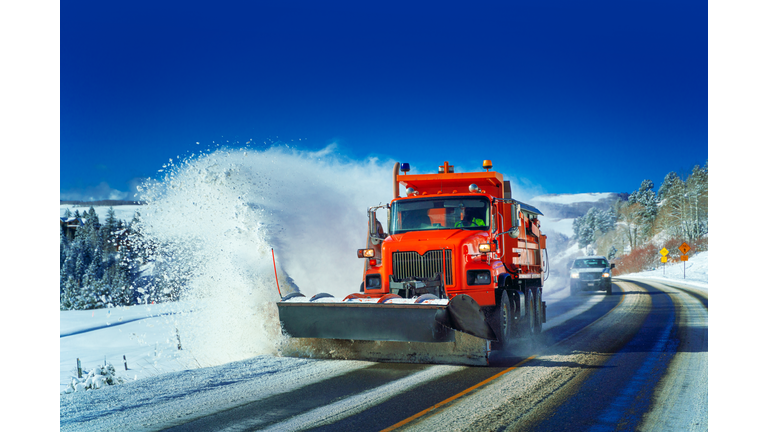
pixel 609 291
pixel 538 312
pixel 530 312
pixel 501 319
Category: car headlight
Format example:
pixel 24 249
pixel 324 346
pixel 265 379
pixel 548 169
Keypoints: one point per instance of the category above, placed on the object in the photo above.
pixel 606 274
pixel 574 275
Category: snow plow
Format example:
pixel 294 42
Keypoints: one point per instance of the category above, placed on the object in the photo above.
pixel 458 274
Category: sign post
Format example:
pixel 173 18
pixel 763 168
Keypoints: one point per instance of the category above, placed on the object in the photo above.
pixel 684 248
pixel 664 253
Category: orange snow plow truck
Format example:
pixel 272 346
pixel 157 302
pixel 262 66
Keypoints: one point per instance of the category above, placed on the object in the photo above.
pixel 458 273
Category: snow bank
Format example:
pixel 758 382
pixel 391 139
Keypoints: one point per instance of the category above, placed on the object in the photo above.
pixel 694 272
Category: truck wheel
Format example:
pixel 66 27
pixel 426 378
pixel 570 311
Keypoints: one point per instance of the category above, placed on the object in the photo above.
pixel 538 312
pixel 530 312
pixel 609 291
pixel 501 319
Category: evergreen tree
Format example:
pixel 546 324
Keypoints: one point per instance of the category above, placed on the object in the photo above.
pixel 605 220
pixel 68 296
pixel 668 184
pixel 646 198
pixel 63 246
pixel 92 273
pixel 109 231
pixel 82 258
pixel 684 209
pixel 592 225
pixel 697 186
pixel 120 291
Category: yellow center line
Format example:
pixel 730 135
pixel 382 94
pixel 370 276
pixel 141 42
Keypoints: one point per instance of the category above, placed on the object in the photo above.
pixel 456 396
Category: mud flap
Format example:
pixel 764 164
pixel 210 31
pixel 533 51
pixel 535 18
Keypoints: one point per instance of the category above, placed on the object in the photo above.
pixel 465 315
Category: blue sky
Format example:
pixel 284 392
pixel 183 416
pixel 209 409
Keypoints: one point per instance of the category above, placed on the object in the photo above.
pixel 590 96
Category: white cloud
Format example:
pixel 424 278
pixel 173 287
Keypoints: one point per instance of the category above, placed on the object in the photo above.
pixel 94 193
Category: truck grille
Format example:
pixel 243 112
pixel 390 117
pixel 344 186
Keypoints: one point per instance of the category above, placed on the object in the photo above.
pixel 407 265
pixel 590 276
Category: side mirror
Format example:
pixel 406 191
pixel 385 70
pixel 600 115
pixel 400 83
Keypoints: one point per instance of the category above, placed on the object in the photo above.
pixel 372 223
pixel 613 266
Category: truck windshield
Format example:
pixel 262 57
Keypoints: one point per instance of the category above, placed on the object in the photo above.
pixel 440 213
pixel 590 263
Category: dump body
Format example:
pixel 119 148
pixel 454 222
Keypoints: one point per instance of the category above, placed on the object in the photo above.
pixel 459 255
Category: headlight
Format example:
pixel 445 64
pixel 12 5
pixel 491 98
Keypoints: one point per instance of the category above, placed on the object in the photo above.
pixel 486 247
pixel 366 253
pixel 606 275
pixel 575 275
pixel 373 282
pixel 478 277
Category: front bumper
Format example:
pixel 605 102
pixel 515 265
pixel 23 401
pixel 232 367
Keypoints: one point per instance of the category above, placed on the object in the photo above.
pixel 601 284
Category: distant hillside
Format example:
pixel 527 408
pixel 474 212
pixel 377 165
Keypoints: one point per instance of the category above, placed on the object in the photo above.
pixel 106 203
pixel 571 206
pixel 560 210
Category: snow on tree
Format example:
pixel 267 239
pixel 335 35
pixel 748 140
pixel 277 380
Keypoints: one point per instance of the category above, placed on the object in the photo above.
pixel 594 224
pixel 646 198
pixel 683 211
pixel 93 273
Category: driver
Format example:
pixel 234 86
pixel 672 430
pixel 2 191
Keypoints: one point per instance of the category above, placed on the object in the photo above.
pixel 471 217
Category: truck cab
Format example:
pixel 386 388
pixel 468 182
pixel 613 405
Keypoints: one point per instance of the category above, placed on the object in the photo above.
pixel 458 233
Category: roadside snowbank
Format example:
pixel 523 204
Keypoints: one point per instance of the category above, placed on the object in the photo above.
pixel 695 273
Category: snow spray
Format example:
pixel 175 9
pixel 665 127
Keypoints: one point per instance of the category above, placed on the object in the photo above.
pixel 211 222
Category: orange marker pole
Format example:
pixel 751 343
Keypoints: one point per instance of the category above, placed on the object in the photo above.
pixel 275 266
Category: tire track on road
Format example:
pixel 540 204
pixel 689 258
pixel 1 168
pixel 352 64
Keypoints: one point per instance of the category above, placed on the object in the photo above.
pixel 523 397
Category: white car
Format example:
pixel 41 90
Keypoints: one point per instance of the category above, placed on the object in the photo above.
pixel 592 273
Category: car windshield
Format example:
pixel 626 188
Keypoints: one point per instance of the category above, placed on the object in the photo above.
pixel 590 263
pixel 439 213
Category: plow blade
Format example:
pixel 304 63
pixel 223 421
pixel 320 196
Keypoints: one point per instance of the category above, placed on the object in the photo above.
pixel 356 321
pixel 405 333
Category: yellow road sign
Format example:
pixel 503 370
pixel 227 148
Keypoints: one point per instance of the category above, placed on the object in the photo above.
pixel 664 252
pixel 683 257
pixel 663 259
pixel 684 248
